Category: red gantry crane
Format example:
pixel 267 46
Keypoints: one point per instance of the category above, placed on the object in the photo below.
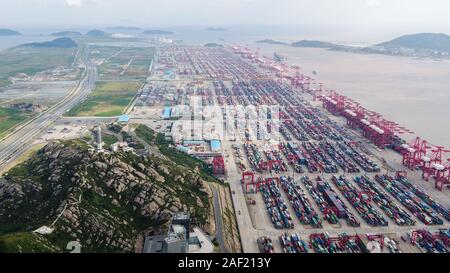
pixel 433 161
pixel 219 165
pixel 374 126
pixel 442 176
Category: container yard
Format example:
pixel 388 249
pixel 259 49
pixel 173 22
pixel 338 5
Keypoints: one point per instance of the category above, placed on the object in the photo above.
pixel 417 207
pixel 310 170
pixel 361 201
pixel 276 207
pixel 416 241
pixel 293 243
pixel 391 209
pixel 330 213
pixel 336 203
pixel 302 207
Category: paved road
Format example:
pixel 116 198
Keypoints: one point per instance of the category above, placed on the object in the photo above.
pixel 19 141
pixel 130 107
pixel 246 228
pixel 219 222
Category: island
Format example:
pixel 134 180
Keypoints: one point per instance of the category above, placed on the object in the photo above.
pixel 314 44
pixel 125 28
pixel 96 33
pixel 67 34
pixel 429 45
pixel 216 29
pixel 57 43
pixel 302 43
pixel 213 45
pixel 157 32
pixel 421 41
pixel 8 32
pixel 271 41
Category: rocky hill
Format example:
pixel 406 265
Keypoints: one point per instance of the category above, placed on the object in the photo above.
pixel 105 201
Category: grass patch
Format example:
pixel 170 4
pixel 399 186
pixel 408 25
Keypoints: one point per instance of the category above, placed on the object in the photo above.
pixel 116 63
pixel 145 133
pixel 109 139
pixel 76 144
pixel 108 99
pixel 30 61
pixel 25 242
pixel 10 118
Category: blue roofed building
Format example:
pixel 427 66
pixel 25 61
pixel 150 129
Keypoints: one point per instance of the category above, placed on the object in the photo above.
pixel 216 145
pixel 167 112
pixel 123 118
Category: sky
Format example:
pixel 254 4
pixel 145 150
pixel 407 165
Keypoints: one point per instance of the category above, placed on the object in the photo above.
pixel 351 15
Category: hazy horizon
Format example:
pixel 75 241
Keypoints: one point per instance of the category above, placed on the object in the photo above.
pixel 358 18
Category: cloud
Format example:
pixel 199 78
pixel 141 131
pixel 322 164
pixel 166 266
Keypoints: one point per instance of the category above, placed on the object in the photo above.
pixel 73 3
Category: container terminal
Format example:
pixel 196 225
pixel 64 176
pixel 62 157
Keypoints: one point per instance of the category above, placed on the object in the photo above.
pixel 310 170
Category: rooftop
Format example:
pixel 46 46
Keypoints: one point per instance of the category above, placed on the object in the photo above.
pixel 123 118
pixel 154 244
pixel 181 216
pixel 167 112
pixel 215 144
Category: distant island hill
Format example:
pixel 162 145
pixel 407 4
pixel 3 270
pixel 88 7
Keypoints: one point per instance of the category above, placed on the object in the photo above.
pixel 157 32
pixel 125 28
pixel 8 32
pixel 97 33
pixel 64 42
pixel 213 45
pixel 420 45
pixel 216 29
pixel 67 34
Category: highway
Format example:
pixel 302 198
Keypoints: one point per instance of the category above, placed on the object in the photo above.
pixel 19 141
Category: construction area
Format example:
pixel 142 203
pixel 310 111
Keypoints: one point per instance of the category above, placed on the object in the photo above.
pixel 310 170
